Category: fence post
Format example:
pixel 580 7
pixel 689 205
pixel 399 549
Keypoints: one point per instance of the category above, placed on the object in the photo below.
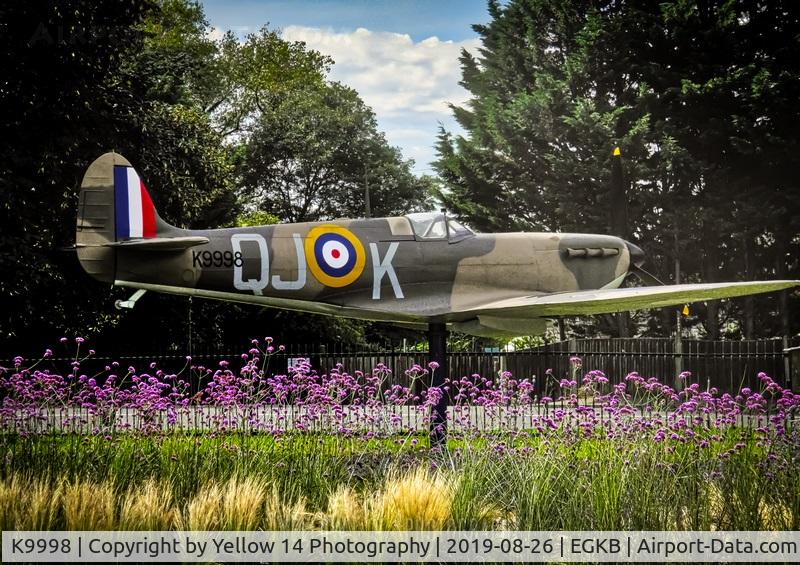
pixel 791 363
pixel 787 363
pixel 678 354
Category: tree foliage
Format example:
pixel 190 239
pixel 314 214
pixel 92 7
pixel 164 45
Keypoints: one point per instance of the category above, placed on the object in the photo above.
pixel 699 96
pixel 144 78
pixel 248 73
pixel 311 152
pixel 61 109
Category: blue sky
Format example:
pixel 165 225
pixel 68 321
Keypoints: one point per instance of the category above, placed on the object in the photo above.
pixel 445 19
pixel 401 56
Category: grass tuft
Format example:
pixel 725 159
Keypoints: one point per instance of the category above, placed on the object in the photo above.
pixel 419 500
pixel 282 515
pixel 148 507
pixel 203 511
pixel 89 506
pixel 242 502
pixel 346 510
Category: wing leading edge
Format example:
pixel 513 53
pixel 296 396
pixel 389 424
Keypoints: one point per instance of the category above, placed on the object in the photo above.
pixel 606 301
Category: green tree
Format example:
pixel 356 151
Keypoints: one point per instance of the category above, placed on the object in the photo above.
pixel 697 94
pixel 541 128
pixel 726 75
pixel 144 78
pixel 312 150
pixel 60 104
pixel 180 60
pixel 247 74
pixel 83 78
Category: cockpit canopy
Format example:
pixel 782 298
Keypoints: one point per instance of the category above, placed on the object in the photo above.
pixel 436 226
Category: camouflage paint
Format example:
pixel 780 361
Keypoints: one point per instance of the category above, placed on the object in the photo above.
pixel 485 284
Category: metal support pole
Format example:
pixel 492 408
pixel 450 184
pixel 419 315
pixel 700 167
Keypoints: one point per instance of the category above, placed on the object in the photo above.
pixel 678 325
pixel 367 203
pixel 437 342
pixel 191 329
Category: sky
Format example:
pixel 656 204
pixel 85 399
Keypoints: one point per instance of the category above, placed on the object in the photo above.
pixel 401 56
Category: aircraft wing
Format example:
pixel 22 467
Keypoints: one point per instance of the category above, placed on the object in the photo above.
pixel 623 299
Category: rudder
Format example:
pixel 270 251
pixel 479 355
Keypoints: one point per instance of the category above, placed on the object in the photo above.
pixel 114 206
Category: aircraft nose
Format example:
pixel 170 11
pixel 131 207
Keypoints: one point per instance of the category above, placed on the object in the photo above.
pixel 637 255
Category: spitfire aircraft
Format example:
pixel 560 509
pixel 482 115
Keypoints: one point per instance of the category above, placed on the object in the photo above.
pixel 422 270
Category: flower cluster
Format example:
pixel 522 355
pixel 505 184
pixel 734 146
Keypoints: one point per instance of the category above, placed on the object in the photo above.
pixel 249 397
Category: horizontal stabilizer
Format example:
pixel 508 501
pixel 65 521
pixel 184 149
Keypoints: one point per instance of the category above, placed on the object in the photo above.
pixel 605 301
pixel 159 243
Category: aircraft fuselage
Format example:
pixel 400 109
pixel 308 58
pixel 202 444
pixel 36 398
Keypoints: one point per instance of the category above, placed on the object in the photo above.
pixel 377 266
pixel 416 269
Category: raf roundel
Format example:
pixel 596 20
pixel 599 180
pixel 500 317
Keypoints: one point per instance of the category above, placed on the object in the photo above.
pixel 335 256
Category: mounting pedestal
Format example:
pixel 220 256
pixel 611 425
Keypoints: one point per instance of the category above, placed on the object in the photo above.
pixel 437 343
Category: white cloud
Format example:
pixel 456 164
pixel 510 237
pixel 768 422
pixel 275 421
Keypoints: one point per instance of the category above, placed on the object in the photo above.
pixel 408 84
pixel 215 34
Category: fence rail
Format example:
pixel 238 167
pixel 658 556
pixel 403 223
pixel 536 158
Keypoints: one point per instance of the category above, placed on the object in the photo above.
pixel 385 420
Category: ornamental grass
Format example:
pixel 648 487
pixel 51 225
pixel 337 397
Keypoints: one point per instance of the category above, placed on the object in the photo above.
pixel 239 448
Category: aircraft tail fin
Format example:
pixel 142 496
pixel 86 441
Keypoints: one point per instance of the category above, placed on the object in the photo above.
pixel 114 207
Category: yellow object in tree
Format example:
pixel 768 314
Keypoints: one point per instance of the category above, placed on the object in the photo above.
pixel 685 310
pixel 617 152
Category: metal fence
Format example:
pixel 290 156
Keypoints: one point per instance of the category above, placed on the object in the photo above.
pixel 386 419
pixel 726 365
